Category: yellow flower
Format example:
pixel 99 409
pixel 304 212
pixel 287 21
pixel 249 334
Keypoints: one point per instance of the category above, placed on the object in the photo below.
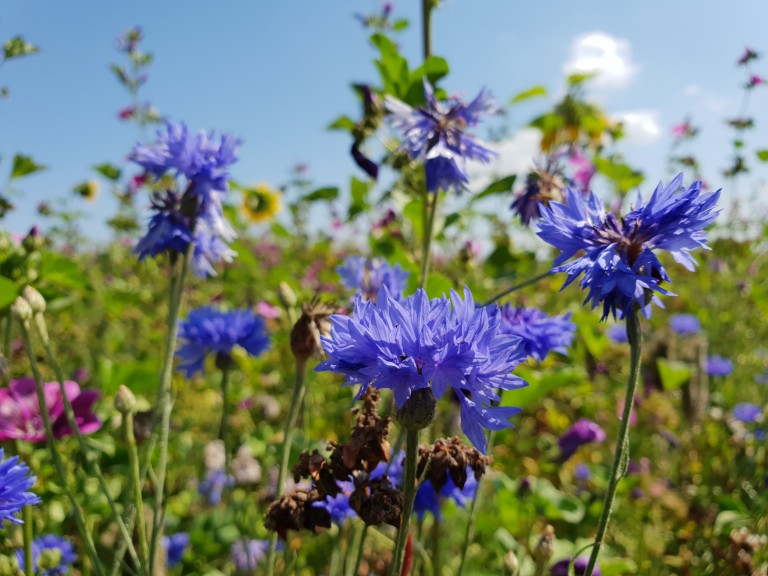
pixel 260 202
pixel 88 190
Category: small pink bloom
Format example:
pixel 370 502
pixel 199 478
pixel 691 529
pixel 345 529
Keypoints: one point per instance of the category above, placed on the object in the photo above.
pixel 755 80
pixel 583 169
pixel 268 311
pixel 127 113
pixel 680 130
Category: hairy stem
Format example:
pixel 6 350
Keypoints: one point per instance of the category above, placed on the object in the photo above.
pixel 133 461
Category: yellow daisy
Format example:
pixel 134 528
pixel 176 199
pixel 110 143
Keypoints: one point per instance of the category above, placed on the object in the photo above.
pixel 260 203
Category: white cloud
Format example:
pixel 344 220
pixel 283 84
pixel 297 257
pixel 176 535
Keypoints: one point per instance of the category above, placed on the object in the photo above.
pixel 515 156
pixel 692 90
pixel 640 126
pixel 609 57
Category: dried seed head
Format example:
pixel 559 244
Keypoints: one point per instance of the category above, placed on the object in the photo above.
pixel 294 511
pixel 315 321
pixel 315 466
pixel 376 501
pixel 450 457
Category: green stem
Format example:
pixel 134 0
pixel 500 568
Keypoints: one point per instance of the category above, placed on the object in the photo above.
pixel 430 209
pixel 164 404
pixel 635 335
pixel 58 463
pixel 426 27
pixel 290 423
pixel 133 461
pixel 223 426
pixel 360 550
pixel 409 488
pixel 26 515
pixel 93 466
pixel 517 287
pixel 358 534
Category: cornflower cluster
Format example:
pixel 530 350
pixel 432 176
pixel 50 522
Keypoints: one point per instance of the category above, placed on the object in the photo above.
pixel 540 333
pixel 368 275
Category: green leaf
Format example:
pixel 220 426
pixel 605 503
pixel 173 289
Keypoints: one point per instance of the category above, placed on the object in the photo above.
pixel 450 220
pixel 359 192
pixel 326 193
pixel 9 290
pixel 400 24
pixel 540 385
pixel 576 79
pixel 119 71
pixel 762 155
pixel 59 270
pixel 109 171
pixel 24 166
pixel 17 47
pixel 342 123
pixel 434 68
pixel 673 373
pixel 393 68
pixel 499 187
pixel 623 176
pixel 533 92
pixel 438 285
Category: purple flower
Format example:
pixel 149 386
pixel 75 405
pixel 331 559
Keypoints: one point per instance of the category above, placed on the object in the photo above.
pixel 174 546
pixel 338 506
pixel 540 333
pixel 247 554
pixel 719 366
pixel 15 483
pixel 191 212
pixel 747 56
pixel 560 568
pixel 52 555
pixel 747 412
pixel 617 334
pixel 208 330
pixel 616 255
pixel 582 472
pixel 214 484
pixel 684 324
pixel 435 133
pixel 368 275
pixel 419 343
pixel 20 417
pixel 581 432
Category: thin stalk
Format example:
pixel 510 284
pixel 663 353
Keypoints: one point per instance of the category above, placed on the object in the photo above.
pixel 58 463
pixel 409 488
pixel 517 287
pixel 357 536
pixel 429 225
pixel 435 536
pixel 426 27
pixel 360 549
pixel 164 403
pixel 298 394
pixel 223 426
pixel 91 463
pixel 635 335
pixel 335 564
pixel 133 461
pixel 26 515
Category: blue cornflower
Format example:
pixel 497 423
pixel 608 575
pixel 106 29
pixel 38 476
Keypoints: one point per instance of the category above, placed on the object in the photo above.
pixel 719 366
pixel 368 275
pixel 540 333
pixel 174 546
pixel 192 211
pixel 15 483
pixel 52 555
pixel 338 506
pixel 616 255
pixel 617 334
pixel 418 343
pixel 684 324
pixel 214 484
pixel 747 412
pixel 247 554
pixel 582 472
pixel 435 133
pixel 208 330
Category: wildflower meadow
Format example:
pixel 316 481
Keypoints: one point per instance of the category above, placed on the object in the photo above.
pixel 508 333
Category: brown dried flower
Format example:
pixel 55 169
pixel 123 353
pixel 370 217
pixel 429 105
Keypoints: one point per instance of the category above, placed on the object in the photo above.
pixel 450 457
pixel 294 511
pixel 376 501
pixel 314 322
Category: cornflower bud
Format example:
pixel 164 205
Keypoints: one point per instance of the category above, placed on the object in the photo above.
pixel 286 295
pixel 542 553
pixel 35 299
pixel 418 412
pixel 511 564
pixel 125 401
pixel 21 310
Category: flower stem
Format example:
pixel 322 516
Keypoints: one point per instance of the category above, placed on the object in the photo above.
pixel 223 430
pixel 93 466
pixel 26 515
pixel 430 209
pixel 635 335
pixel 164 404
pixel 409 488
pixel 133 461
pixel 517 287
pixel 58 463
pixel 298 393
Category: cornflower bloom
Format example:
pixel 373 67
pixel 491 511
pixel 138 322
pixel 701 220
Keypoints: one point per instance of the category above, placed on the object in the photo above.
pixel 540 333
pixel 684 324
pixel 214 484
pixel 15 483
pixel 174 546
pixel 542 186
pixel 191 212
pixel 208 330
pixel 617 334
pixel 338 506
pixel 435 133
pixel 747 412
pixel 247 554
pixel 368 275
pixel 20 417
pixel 560 568
pixel 418 343
pixel 52 555
pixel 616 255
pixel 581 432
pixel 719 366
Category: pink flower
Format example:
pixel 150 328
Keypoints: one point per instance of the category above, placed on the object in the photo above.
pixel 20 417
pixel 755 80
pixel 268 311
pixel 127 113
pixel 583 169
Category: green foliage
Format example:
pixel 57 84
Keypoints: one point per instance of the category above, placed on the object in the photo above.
pixel 24 166
pixel 109 171
pixel 537 91
pixel 17 47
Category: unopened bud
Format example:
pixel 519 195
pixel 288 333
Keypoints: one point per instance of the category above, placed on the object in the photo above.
pixel 545 547
pixel 21 310
pixel 35 299
pixel 418 412
pixel 33 240
pixel 125 401
pixel 511 564
pixel 286 296
pixel 8 565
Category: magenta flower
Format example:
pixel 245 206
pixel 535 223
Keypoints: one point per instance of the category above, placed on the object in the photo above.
pixel 20 417
pixel 581 432
pixel 755 80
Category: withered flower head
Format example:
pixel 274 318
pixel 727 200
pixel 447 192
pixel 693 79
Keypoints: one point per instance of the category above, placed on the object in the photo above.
pixel 314 322
pixel 315 466
pixel 368 444
pixel 376 501
pixel 450 457
pixel 295 510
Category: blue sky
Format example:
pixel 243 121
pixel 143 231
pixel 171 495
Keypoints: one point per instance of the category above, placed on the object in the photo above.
pixel 276 73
